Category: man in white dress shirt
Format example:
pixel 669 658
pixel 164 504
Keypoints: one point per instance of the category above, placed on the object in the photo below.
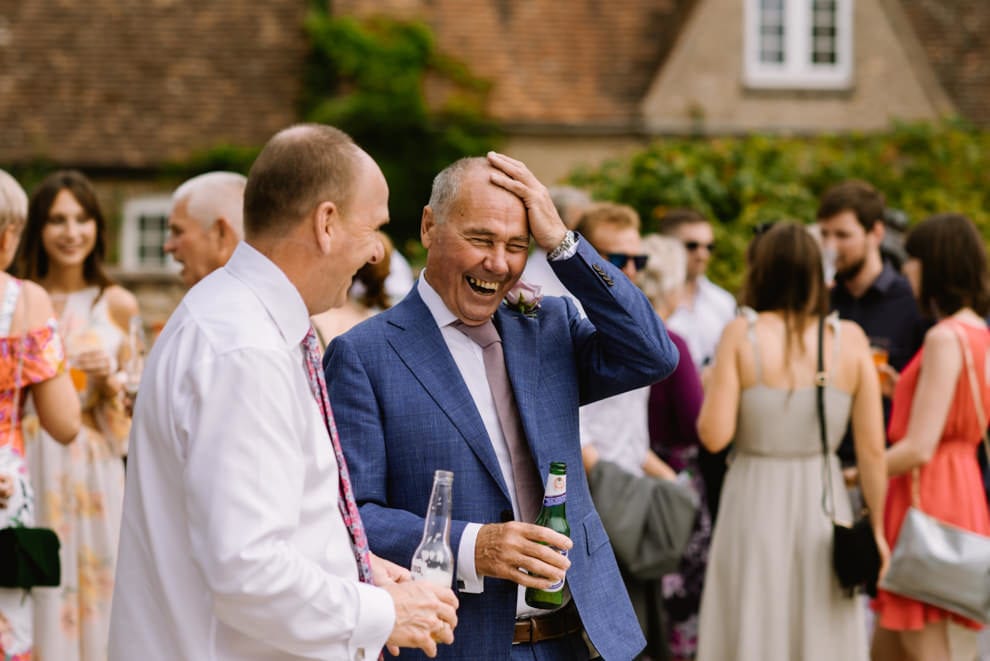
pixel 233 544
pixel 206 223
pixel 705 307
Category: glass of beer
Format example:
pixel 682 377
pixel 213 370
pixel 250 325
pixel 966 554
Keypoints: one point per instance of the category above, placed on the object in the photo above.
pixel 880 349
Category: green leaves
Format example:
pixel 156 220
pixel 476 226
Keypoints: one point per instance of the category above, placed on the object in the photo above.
pixel 412 108
pixel 741 182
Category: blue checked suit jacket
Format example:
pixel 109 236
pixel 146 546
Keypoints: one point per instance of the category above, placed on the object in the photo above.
pixel 403 410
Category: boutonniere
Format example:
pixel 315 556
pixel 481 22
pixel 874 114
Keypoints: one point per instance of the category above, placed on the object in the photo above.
pixel 525 298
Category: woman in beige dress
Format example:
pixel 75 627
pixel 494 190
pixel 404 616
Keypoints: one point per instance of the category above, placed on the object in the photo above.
pixel 770 591
pixel 79 488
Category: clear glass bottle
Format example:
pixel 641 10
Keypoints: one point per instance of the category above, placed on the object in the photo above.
pixel 433 560
pixel 134 361
pixel 553 515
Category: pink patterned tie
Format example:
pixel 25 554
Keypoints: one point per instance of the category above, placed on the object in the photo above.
pixel 348 508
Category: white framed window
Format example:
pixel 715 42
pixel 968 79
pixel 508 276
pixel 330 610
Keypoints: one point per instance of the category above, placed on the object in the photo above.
pixel 798 44
pixel 143 235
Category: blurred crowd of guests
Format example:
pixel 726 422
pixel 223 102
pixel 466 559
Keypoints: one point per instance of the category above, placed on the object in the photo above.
pixel 727 556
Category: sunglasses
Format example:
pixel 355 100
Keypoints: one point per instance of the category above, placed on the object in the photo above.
pixel 691 246
pixel 620 259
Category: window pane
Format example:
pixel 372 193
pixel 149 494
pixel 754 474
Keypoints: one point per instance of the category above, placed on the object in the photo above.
pixel 823 31
pixel 152 233
pixel 772 20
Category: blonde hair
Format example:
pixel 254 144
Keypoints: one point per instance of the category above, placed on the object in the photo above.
pixel 13 202
pixel 665 270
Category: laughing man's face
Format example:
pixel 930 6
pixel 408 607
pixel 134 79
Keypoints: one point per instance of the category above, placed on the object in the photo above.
pixel 478 251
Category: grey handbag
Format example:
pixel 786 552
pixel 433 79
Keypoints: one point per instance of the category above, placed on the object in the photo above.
pixel 938 563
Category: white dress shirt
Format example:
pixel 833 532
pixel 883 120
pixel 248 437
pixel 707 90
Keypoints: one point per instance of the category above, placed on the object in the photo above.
pixel 471 364
pixel 700 322
pixel 618 427
pixel 232 545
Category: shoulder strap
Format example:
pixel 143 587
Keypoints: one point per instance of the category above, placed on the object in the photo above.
pixel 821 380
pixel 751 315
pixel 7 305
pixel 834 324
pixel 973 385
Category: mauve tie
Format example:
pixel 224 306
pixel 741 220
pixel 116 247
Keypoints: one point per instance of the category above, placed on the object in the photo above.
pixel 529 486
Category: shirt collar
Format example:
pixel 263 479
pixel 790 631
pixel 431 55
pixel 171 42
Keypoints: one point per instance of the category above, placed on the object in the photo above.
pixel 270 284
pixel 441 313
pixel 881 284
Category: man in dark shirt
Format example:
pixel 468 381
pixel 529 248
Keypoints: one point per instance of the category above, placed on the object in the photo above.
pixel 868 290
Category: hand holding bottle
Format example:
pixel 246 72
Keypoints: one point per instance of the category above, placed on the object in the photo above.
pixel 425 614
pixel 503 549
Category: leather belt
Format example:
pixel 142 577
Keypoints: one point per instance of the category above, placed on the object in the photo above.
pixel 559 623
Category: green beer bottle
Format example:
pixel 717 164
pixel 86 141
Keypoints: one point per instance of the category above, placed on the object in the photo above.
pixel 553 516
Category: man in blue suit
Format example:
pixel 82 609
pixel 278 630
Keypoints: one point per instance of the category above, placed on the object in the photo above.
pixel 411 394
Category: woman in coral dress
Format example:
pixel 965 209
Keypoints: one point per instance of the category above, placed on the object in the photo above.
pixel 934 425
pixel 80 488
pixel 31 361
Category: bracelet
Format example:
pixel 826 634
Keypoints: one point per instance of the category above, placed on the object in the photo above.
pixel 570 240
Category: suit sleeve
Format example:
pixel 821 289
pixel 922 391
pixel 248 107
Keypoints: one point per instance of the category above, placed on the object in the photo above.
pixel 622 344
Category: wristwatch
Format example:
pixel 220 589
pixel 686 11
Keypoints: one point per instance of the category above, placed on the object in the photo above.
pixel 570 240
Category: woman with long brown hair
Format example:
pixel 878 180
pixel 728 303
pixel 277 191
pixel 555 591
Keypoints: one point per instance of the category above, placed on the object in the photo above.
pixel 934 423
pixel 770 592
pixel 79 488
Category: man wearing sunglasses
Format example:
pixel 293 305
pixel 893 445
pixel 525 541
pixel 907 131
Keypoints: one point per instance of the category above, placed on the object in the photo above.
pixel 705 307
pixel 704 310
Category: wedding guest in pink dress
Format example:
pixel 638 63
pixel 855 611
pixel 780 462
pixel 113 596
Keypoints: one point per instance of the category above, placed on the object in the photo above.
pixel 32 361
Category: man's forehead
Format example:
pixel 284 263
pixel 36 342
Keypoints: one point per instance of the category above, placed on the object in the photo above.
pixel 694 229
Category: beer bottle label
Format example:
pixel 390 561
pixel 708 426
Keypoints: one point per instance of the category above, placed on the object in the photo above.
pixel 556 493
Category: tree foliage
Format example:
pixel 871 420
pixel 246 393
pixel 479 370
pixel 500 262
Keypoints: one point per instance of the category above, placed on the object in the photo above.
pixel 370 79
pixel 741 182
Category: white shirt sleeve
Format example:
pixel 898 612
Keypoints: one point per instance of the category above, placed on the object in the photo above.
pixel 467 574
pixel 243 485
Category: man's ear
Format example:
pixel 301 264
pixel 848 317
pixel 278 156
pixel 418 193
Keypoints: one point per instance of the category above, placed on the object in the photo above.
pixel 879 231
pixel 326 217
pixel 426 227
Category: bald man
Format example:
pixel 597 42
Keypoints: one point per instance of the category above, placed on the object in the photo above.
pixel 206 223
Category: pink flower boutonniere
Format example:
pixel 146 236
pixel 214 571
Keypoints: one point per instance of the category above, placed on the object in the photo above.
pixel 525 298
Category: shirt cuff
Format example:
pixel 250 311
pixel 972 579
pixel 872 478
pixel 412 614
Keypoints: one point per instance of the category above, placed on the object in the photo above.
pixel 375 621
pixel 467 576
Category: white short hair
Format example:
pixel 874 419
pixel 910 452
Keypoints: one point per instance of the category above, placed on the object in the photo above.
pixel 666 267
pixel 213 195
pixel 13 201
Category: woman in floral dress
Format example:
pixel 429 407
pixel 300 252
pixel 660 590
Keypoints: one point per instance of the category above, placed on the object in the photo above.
pixel 31 361
pixel 79 488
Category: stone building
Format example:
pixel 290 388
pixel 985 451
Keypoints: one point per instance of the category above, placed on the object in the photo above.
pixel 119 88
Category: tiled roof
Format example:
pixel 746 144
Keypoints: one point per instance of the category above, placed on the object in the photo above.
pixel 575 63
pixel 126 83
pixel 955 35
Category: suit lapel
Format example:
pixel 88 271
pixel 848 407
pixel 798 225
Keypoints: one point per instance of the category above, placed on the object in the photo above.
pixel 414 336
pixel 521 347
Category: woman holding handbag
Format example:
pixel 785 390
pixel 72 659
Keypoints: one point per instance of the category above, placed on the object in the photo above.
pixel 934 425
pixel 771 593
pixel 31 361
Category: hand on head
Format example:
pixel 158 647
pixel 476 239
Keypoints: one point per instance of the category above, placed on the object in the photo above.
pixel 545 224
